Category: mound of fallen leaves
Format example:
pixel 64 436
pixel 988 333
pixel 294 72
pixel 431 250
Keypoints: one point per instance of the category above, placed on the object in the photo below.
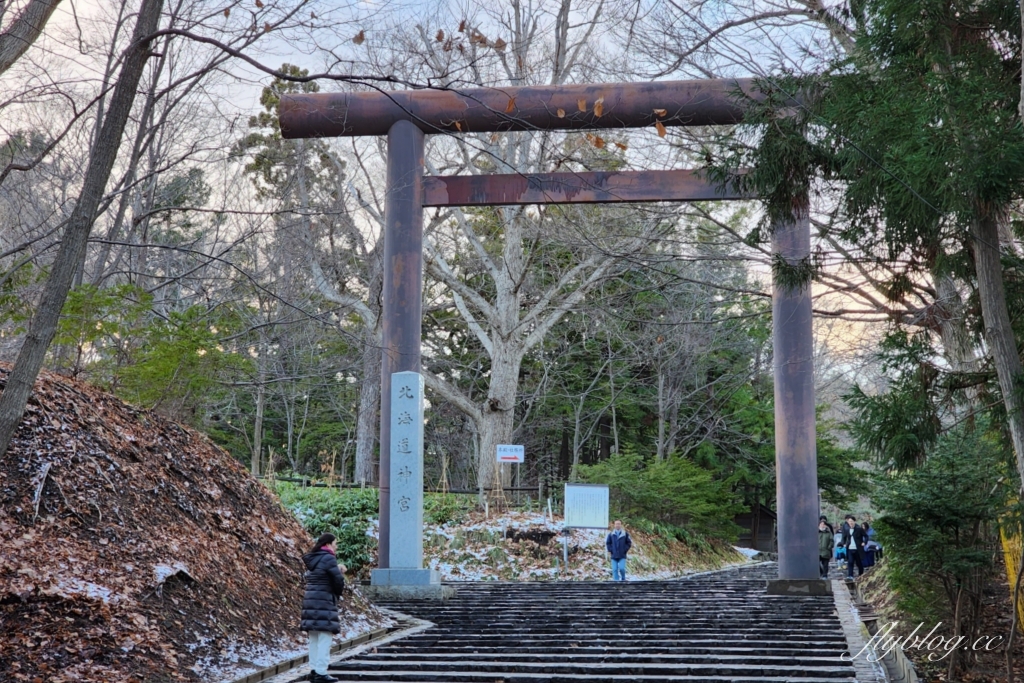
pixel 134 549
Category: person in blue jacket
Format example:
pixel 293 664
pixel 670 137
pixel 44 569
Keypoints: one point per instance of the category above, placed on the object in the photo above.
pixel 618 544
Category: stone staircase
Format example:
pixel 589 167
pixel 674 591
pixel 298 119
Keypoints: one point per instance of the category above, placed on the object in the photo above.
pixel 716 627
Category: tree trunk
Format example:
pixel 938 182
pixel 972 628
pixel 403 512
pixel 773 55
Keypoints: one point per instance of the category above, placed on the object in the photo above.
pixel 604 438
pixel 25 29
pixel 369 417
pixel 956 339
pixel 998 331
pixel 563 453
pixel 1020 105
pixel 673 420
pixel 577 447
pixel 289 417
pixel 369 411
pixel 661 415
pixel 498 413
pixel 615 422
pixel 73 245
pixel 257 437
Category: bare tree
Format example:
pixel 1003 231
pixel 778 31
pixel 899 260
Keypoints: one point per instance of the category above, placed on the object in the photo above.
pixel 71 256
pixel 23 31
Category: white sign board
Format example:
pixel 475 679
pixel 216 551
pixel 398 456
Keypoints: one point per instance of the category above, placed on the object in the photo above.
pixel 586 506
pixel 507 453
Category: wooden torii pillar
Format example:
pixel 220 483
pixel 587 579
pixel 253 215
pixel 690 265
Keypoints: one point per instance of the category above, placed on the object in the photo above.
pixel 406 116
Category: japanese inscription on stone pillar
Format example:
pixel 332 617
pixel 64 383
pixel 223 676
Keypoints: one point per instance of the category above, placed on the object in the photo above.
pixel 406 470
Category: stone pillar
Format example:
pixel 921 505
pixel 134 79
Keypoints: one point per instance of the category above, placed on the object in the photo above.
pixel 406 470
pixel 406 577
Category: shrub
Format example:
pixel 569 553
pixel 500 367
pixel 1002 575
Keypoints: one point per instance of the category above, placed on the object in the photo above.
pixel 939 528
pixel 443 508
pixel 673 491
pixel 346 513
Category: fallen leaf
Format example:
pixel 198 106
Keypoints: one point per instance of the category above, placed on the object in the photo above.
pixel 458 126
pixel 621 146
pixel 599 106
pixel 598 142
pixel 560 113
pixel 661 129
pixel 582 104
pixel 661 112
pixel 360 37
pixel 511 105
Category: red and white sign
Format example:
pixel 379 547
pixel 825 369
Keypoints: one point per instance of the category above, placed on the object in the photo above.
pixel 507 453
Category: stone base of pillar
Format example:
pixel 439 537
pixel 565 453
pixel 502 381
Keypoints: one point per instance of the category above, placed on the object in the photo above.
pixel 407 584
pixel 404 577
pixel 797 587
pixel 434 591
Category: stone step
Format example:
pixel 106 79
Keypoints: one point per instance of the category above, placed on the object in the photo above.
pixel 620 638
pixel 576 656
pixel 664 648
pixel 431 662
pixel 718 627
pixel 471 677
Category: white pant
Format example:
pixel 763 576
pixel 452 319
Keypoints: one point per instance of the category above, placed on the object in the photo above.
pixel 319 651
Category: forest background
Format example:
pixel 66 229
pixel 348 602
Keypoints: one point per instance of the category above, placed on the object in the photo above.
pixel 161 240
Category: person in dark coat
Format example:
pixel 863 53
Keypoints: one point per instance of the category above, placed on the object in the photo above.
pixel 854 540
pixel 825 544
pixel 325 583
pixel 618 544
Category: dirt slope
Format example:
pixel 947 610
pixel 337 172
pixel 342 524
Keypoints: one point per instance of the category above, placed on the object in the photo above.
pixel 134 549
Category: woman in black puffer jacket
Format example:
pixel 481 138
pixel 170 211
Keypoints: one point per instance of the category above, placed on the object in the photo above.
pixel 324 585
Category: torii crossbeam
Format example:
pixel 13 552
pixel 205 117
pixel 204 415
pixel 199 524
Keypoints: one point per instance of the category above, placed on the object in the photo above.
pixel 406 116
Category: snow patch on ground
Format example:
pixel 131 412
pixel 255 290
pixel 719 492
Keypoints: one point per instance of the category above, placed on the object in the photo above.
pixel 235 661
pixel 528 546
pixel 162 572
pixel 68 586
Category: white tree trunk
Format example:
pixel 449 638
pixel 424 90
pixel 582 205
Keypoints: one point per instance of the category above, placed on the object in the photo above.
pixel 611 389
pixel 577 446
pixel 498 412
pixel 369 413
pixel 661 414
pixel 257 437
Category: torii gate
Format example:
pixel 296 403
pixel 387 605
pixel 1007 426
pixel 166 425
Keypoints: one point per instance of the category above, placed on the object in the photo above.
pixel 406 116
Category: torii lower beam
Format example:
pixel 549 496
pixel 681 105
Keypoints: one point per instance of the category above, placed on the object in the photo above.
pixel 594 187
pixel 404 116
